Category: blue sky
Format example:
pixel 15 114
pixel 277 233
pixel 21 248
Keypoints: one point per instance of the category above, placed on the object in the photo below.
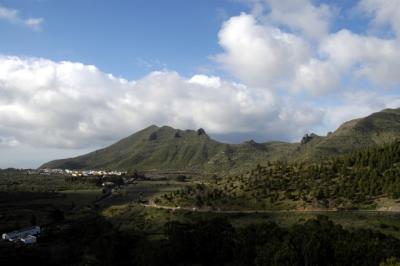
pixel 131 38
pixel 126 38
pixel 79 75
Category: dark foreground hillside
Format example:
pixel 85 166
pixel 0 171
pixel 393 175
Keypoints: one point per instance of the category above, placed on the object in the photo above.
pixel 94 241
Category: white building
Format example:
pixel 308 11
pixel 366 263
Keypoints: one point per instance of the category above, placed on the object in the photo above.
pixel 23 233
pixel 29 240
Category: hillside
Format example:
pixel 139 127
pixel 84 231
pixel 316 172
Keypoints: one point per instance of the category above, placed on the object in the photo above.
pixel 365 179
pixel 166 148
pixel 376 129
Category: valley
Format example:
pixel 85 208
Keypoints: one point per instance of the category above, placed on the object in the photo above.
pixel 200 133
pixel 164 193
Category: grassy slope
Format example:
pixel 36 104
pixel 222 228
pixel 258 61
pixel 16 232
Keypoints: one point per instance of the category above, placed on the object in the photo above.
pixel 165 148
pixel 135 217
pixel 376 129
pixel 367 179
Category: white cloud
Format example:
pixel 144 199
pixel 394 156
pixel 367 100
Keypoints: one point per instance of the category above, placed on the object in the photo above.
pixel 370 57
pixel 304 17
pixel 259 55
pixel 383 12
pixel 8 142
pixel 316 77
pixel 359 103
pixel 301 15
pixel 34 23
pixel 207 81
pixel 286 45
pixel 293 75
pixel 274 47
pixel 9 14
pixel 69 105
pixel 265 56
pixel 13 16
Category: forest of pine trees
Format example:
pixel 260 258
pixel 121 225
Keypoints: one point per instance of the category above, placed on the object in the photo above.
pixel 349 181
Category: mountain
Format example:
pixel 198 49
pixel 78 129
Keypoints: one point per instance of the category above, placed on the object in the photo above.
pixel 376 129
pixel 166 148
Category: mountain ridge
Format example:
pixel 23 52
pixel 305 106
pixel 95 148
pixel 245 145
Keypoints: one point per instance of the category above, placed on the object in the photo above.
pixel 166 148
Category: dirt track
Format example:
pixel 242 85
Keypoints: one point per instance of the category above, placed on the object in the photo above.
pixel 194 209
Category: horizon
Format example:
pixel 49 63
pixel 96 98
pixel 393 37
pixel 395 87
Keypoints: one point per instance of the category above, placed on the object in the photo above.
pixel 194 130
pixel 266 70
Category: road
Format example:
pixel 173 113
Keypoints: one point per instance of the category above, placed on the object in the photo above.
pixel 194 209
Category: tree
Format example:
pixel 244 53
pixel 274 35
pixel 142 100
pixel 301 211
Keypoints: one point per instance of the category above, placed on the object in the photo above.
pixel 56 216
pixel 33 220
pixel 393 261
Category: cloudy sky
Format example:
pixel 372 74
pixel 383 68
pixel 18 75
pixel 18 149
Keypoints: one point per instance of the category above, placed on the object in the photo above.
pixel 78 75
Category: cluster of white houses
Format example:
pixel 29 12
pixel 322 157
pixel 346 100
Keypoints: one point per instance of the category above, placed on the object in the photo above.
pixel 48 171
pixel 26 235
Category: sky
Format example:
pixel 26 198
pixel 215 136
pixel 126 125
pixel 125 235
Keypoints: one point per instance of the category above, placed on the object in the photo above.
pixel 79 75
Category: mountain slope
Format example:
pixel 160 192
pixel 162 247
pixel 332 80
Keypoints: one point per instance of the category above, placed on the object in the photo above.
pixel 369 178
pixel 166 148
pixel 376 129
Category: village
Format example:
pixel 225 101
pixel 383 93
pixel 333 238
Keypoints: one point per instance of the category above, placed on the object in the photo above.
pixel 78 173
pixel 107 179
pixel 110 181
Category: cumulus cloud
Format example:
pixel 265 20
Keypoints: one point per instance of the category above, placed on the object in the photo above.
pixel 301 15
pixel 274 47
pixel 291 73
pixel 13 16
pixel 257 54
pixel 369 57
pixel 382 12
pixel 68 105
pixel 316 77
pixel 288 45
pixel 207 81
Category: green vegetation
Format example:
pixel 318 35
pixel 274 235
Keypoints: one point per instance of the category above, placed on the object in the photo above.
pixel 276 192
pixel 353 181
pixel 165 148
pixel 12 180
pixel 171 149
pixel 142 191
pixel 25 197
pixel 376 129
pixel 92 240
pixel 119 232
pixel 133 216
